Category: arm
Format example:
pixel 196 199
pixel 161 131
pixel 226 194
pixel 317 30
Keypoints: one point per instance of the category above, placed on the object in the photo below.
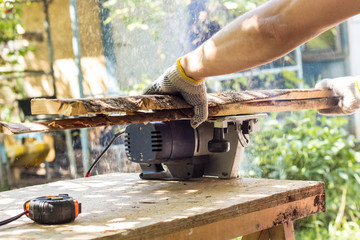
pixel 255 38
pixel 265 34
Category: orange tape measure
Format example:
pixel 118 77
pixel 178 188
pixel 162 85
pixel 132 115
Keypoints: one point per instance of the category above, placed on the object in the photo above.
pixel 53 209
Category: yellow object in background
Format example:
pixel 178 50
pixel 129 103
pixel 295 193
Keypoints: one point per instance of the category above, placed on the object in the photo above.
pixel 29 153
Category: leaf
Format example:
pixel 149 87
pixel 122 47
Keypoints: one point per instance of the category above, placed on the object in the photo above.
pixel 344 176
pixel 357 178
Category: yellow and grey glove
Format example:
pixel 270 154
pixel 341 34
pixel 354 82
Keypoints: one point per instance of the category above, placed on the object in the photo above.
pixel 174 81
pixel 348 89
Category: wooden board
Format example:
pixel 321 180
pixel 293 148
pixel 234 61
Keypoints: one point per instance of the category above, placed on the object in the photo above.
pixel 217 101
pixel 121 206
pixel 167 108
pixel 163 115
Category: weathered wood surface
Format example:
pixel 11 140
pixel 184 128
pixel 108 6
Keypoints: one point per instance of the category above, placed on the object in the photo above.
pixel 89 122
pixel 121 206
pixel 217 101
pixel 163 115
pixel 232 107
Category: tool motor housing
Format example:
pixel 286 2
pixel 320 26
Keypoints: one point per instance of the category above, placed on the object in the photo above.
pixel 159 142
pixel 173 149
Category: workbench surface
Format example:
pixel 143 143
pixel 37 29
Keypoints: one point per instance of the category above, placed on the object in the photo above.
pixel 122 206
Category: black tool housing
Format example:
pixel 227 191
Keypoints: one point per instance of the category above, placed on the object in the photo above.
pixel 158 142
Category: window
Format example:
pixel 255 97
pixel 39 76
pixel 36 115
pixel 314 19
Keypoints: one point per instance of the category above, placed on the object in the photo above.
pixel 327 46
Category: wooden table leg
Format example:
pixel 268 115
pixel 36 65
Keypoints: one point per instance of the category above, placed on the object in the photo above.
pixel 289 230
pixel 282 232
pixel 262 235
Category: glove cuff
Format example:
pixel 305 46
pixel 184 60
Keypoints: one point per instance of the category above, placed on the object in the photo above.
pixel 182 72
pixel 357 82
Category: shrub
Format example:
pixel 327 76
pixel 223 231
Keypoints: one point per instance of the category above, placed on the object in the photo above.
pixel 307 146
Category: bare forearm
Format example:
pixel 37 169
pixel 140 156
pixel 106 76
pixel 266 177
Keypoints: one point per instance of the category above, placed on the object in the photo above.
pixel 265 34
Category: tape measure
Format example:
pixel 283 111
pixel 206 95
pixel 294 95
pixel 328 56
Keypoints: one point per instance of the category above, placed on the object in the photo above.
pixel 53 209
pixel 56 209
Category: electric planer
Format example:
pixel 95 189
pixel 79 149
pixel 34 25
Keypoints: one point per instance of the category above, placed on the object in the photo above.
pixel 174 150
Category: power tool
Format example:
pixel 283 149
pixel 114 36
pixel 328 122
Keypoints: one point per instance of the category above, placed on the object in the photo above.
pixel 56 209
pixel 173 149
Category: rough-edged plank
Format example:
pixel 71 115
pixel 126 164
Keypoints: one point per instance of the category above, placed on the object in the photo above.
pixel 166 115
pixel 73 107
pixel 85 106
pixel 122 206
pixel 89 122
pixel 272 106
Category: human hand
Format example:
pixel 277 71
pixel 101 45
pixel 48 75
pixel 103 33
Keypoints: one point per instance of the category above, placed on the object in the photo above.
pixel 174 81
pixel 347 88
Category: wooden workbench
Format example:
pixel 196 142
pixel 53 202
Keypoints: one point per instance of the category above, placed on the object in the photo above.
pixel 122 206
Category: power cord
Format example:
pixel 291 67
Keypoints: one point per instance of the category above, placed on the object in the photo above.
pixel 13 218
pixel 88 173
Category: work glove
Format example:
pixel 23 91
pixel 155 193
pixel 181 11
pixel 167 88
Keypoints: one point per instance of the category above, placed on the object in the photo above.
pixel 174 81
pixel 347 88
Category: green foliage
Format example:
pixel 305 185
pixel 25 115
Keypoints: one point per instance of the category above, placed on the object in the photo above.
pixel 285 79
pixel 10 25
pixel 141 14
pixel 136 89
pixel 10 54
pixel 326 41
pixel 306 146
pixel 138 14
pixel 227 10
pixel 9 21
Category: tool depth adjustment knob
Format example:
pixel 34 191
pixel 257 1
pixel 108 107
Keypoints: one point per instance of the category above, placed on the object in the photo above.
pixel 218 144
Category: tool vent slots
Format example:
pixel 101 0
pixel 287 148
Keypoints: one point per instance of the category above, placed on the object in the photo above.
pixel 127 144
pixel 156 141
